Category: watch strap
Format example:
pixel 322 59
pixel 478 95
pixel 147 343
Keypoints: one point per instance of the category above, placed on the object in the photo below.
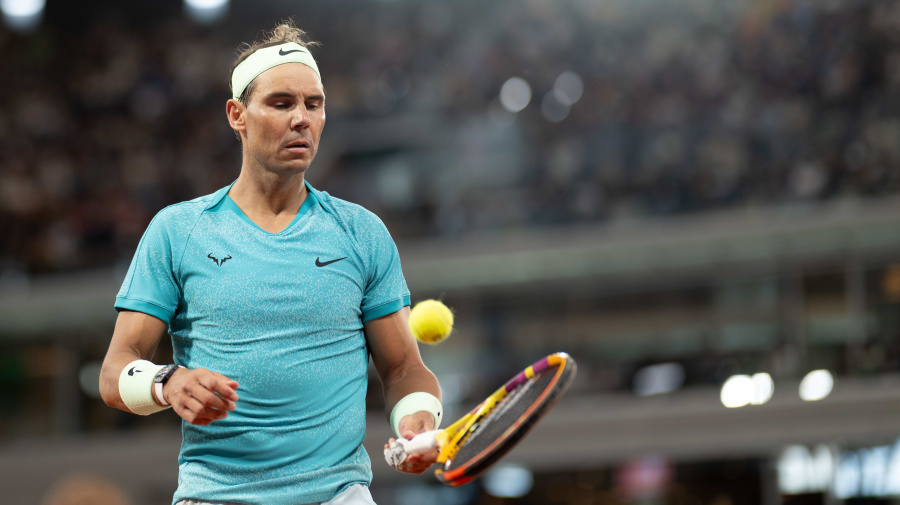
pixel 160 381
pixel 158 389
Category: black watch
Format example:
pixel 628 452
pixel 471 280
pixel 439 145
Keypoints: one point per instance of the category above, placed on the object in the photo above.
pixel 161 377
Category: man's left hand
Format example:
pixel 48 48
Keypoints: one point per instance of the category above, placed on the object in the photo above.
pixel 411 426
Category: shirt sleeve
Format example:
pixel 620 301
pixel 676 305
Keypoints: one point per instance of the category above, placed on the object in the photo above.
pixel 150 285
pixel 386 291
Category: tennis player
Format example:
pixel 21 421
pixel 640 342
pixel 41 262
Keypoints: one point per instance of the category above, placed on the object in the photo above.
pixel 275 294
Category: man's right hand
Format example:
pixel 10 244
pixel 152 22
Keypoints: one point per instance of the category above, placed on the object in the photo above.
pixel 200 396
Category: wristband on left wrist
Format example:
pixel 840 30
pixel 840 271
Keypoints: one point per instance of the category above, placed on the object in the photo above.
pixel 136 387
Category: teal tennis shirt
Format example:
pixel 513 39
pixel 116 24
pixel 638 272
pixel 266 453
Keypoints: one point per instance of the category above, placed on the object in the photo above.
pixel 282 314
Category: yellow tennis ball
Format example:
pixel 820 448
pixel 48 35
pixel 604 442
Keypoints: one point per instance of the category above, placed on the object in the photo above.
pixel 431 321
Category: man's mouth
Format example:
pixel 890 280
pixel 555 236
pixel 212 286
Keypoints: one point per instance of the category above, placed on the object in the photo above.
pixel 299 145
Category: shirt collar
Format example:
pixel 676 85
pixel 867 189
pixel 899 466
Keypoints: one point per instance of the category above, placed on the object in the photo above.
pixel 219 195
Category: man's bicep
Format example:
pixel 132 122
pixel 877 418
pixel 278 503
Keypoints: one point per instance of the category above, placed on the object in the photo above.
pixel 137 333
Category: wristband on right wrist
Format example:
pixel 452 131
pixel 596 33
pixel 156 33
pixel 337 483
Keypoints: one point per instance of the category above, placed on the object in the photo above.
pixel 416 402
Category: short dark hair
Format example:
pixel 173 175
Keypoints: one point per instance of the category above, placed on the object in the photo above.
pixel 285 31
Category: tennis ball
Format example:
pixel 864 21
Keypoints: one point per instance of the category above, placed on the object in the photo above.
pixel 431 321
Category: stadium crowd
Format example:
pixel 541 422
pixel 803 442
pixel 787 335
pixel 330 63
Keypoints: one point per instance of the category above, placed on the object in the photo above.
pixel 686 106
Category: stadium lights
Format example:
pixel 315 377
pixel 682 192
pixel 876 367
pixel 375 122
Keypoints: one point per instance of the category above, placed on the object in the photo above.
pixel 508 481
pixel 737 391
pixel 816 385
pixel 568 88
pixel 741 390
pixel 763 388
pixel 206 11
pixel 515 94
pixel 22 15
pixel 658 379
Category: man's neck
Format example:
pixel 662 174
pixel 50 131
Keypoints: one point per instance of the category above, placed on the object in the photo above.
pixel 268 199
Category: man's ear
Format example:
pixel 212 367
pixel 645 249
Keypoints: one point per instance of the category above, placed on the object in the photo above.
pixel 235 112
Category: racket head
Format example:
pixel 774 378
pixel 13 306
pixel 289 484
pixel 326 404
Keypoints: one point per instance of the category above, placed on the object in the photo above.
pixel 529 396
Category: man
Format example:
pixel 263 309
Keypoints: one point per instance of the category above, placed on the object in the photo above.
pixel 274 294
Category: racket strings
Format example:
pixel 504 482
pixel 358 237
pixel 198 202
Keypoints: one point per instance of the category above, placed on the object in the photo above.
pixel 510 409
pixel 502 406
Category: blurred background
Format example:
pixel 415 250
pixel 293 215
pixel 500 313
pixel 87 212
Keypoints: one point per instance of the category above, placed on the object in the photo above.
pixel 699 200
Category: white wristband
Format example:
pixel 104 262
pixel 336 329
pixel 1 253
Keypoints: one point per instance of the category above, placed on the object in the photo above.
pixel 416 402
pixel 136 387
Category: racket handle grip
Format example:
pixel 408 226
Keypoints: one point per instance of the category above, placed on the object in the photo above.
pixel 421 443
pixel 395 454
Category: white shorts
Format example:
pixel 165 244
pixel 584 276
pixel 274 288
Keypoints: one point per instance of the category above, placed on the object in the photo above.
pixel 357 494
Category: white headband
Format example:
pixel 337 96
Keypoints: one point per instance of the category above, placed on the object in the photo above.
pixel 266 58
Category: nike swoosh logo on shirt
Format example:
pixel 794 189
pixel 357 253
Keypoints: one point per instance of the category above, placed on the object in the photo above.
pixel 322 264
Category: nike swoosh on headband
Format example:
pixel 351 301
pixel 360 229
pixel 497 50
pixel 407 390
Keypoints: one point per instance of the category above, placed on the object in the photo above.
pixel 266 58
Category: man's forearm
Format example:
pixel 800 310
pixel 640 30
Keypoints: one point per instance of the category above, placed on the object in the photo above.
pixel 109 377
pixel 135 337
pixel 410 380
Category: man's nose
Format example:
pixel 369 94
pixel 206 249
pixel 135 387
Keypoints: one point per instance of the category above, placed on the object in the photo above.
pixel 300 118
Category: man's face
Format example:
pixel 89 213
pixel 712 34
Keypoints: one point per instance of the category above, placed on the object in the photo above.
pixel 285 118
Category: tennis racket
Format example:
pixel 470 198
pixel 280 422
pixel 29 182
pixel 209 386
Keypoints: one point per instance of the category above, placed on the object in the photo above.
pixel 479 439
